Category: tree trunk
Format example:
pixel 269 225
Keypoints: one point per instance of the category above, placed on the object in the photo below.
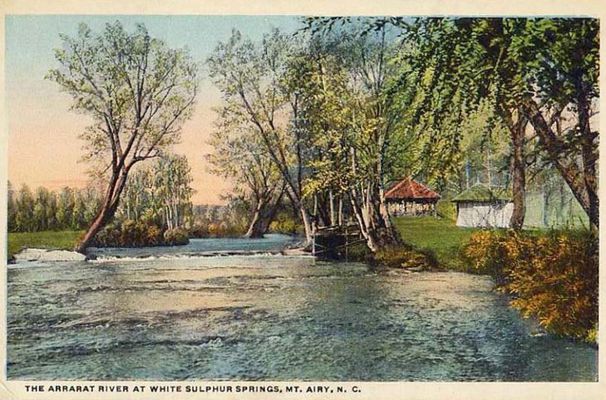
pixel 257 228
pixel 107 211
pixel 582 183
pixel 371 223
pixel 307 224
pixel 518 172
pixel 545 208
pixel 258 224
pixel 264 214
pixel 589 157
pixel 331 199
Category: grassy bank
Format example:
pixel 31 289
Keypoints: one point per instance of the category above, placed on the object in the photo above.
pixel 439 235
pixel 63 240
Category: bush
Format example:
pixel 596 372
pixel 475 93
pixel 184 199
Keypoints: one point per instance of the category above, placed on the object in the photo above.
pixel 284 225
pixel 131 233
pixel 176 236
pixel 359 252
pixel 552 277
pixel 485 254
pixel 405 257
pixel 446 209
pixel 198 231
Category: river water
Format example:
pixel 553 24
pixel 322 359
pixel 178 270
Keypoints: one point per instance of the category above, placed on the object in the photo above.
pixel 195 313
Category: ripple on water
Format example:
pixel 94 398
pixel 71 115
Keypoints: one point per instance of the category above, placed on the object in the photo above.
pixel 279 318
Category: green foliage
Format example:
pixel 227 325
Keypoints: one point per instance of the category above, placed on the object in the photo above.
pixel 67 209
pixel 230 220
pixel 543 70
pixel 359 252
pixel 406 257
pixel 159 193
pixel 285 224
pixel 175 236
pixel 552 277
pixel 130 233
pixel 133 86
pixel 446 209
pixel 61 240
pixel 218 229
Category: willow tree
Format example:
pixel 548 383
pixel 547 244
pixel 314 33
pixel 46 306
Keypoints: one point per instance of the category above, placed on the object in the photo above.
pixel 138 93
pixel 539 72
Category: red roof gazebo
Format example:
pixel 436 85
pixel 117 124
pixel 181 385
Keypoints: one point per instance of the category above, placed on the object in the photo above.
pixel 409 197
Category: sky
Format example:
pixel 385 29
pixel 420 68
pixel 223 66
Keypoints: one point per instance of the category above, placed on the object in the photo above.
pixel 43 144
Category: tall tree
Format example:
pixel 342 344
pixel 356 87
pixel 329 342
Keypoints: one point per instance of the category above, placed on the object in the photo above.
pixel 137 91
pixel 250 78
pixel 535 71
pixel 240 156
pixel 368 56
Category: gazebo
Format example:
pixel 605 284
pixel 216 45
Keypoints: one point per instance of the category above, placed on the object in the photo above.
pixel 409 197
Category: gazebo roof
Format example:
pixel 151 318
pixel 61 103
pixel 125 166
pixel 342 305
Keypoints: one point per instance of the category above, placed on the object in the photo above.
pixel 409 189
pixel 483 194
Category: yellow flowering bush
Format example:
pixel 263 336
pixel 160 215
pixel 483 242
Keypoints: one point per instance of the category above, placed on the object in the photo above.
pixel 551 277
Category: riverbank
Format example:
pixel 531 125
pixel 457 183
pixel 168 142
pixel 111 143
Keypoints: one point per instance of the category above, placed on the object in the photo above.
pixel 55 240
pixel 551 275
pixel 440 236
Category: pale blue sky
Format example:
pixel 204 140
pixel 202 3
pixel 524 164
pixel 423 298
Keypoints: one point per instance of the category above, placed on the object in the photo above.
pixel 30 40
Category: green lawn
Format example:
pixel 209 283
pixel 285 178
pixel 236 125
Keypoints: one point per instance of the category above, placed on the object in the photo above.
pixel 64 240
pixel 439 235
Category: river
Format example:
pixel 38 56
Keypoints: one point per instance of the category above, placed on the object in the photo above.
pixel 204 312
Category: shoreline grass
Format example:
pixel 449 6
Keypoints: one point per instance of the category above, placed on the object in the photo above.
pixel 439 235
pixel 59 240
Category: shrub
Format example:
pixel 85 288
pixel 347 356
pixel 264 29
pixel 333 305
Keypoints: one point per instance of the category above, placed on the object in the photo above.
pixel 486 254
pixel 153 236
pixel 405 257
pixel 446 209
pixel 553 277
pixel 359 252
pixel 131 233
pixel 176 236
pixel 284 225
pixel 199 231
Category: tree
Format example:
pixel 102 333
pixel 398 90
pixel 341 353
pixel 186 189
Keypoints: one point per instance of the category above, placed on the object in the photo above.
pixel 534 71
pixel 11 207
pixel 240 156
pixel 250 78
pixel 137 91
pixel 24 218
pixel 174 188
pixel 159 193
pixel 368 58
pixel 565 77
pixel 65 208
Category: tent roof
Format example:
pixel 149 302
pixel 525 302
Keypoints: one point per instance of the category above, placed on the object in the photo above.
pixel 409 189
pixel 482 193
